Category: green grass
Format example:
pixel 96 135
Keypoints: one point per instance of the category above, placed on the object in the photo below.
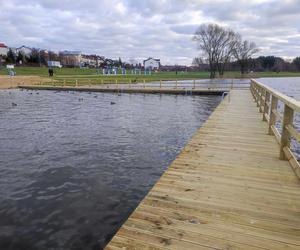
pixel 90 75
pixel 43 71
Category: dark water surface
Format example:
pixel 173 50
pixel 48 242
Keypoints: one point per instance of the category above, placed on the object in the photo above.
pixel 287 85
pixel 73 166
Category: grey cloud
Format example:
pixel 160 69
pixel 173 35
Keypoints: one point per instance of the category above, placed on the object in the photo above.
pixel 187 29
pixel 158 28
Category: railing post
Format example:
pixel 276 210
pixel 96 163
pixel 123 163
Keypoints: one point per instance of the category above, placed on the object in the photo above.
pixel 288 116
pixel 76 82
pixel 194 84
pixel 176 84
pixel 160 83
pixel 257 95
pixel 261 101
pixel 272 121
pixel 252 88
pixel 255 89
pixel 266 105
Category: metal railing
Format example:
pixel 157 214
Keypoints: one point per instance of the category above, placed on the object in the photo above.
pixel 142 83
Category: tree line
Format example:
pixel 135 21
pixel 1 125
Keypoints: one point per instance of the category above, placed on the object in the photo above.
pixel 259 64
pixel 224 49
pixel 39 57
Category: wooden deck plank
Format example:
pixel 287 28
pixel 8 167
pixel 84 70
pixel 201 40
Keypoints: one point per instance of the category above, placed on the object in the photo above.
pixel 227 189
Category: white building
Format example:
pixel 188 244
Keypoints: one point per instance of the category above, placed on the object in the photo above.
pixel 3 49
pixel 53 64
pixel 26 51
pixel 151 63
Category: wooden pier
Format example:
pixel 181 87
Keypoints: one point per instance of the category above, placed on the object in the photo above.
pixel 232 186
pixel 131 90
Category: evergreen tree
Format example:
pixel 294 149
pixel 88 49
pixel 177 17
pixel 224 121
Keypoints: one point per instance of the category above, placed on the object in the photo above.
pixel 11 56
pixel 21 57
pixel 296 62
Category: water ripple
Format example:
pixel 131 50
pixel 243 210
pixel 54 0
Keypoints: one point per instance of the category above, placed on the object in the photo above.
pixel 72 171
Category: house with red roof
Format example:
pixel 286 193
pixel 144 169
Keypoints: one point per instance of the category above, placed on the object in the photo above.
pixel 3 49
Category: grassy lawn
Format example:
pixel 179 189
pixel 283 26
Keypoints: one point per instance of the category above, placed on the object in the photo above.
pixel 69 75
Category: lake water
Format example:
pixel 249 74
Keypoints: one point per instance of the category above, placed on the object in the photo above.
pixel 287 85
pixel 74 165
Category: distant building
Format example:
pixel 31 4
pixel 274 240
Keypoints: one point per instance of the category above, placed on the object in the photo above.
pixel 151 63
pixel 91 61
pixel 53 64
pixel 3 49
pixel 26 51
pixel 70 58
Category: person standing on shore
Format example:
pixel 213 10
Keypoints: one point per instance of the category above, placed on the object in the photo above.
pixel 50 72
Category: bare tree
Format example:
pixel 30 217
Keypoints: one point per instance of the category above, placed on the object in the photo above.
pixel 217 44
pixel 198 61
pixel 227 47
pixel 243 52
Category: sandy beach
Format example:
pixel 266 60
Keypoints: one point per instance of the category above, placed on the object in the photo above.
pixel 7 82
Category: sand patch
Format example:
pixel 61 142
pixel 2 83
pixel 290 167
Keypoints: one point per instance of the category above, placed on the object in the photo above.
pixel 7 82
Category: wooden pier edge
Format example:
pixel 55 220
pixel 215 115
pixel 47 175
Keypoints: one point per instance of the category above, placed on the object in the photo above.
pixel 178 91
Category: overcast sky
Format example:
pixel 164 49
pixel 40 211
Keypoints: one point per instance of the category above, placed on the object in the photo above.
pixel 140 28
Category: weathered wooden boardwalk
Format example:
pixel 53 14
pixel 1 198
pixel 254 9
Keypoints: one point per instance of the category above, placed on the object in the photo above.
pixel 227 189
